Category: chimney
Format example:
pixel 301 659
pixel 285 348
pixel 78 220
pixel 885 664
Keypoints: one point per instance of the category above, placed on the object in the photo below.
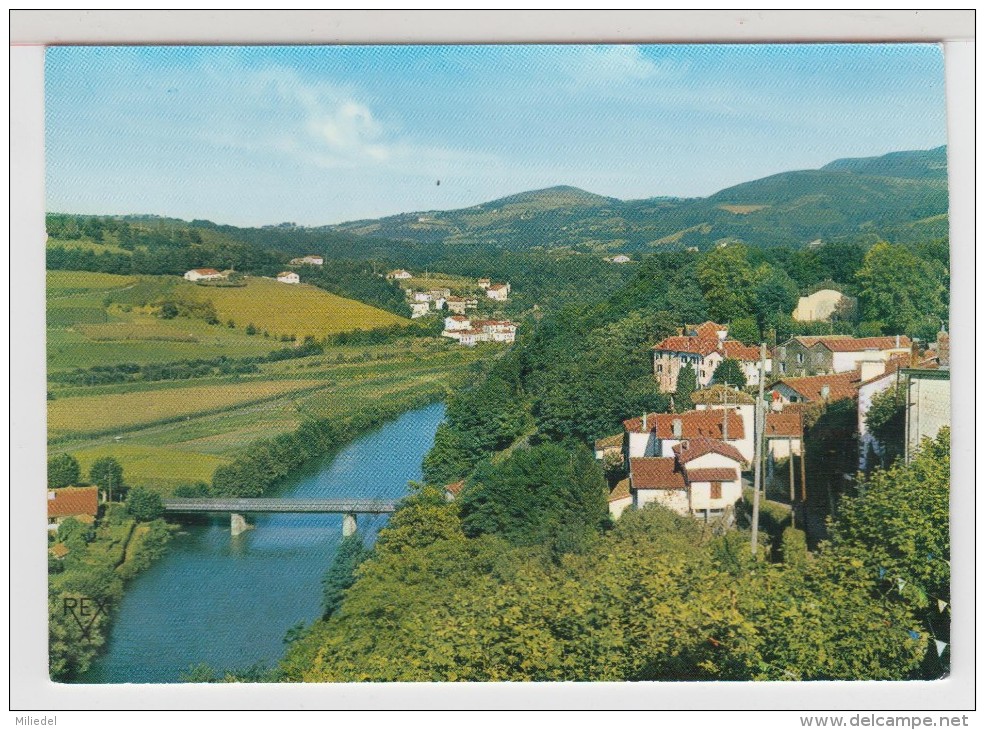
pixel 678 428
pixel 725 413
pixel 897 341
pixel 644 422
pixel 825 392
pixel 869 369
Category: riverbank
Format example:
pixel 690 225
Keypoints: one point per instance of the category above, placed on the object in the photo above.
pixel 229 602
pixel 86 580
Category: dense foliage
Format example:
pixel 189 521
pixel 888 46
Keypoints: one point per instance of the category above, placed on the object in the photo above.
pixel 657 598
pixel 63 471
pixel 886 421
pixel 341 574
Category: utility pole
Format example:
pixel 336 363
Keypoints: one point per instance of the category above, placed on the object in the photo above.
pixel 758 468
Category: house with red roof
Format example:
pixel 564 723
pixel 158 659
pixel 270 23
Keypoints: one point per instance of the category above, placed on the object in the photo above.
pixel 204 275
pixel 826 354
pixel 78 502
pixel 703 346
pixel 499 292
pixel 702 478
pixel 815 388
pixel 656 434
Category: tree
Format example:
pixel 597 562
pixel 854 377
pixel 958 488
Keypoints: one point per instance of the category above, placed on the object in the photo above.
pixel 776 296
pixel 341 573
pixel 744 329
pixel 144 505
pixel 687 383
pixel 537 495
pixel 886 421
pixel 900 290
pixel 726 279
pixel 107 473
pixel 63 471
pixel 730 371
pixel 448 460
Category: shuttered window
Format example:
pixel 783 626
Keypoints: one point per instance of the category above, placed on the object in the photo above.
pixel 716 490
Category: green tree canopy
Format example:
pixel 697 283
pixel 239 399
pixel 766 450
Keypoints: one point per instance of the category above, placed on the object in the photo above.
pixel 144 505
pixel 107 473
pixel 341 573
pixel 727 281
pixel 536 495
pixel 776 297
pixel 63 471
pixel 900 290
pixel 886 421
pixel 687 383
pixel 730 371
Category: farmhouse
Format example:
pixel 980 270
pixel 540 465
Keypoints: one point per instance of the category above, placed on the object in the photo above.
pixel 309 260
pixel 800 356
pixel 499 292
pixel 204 275
pixel 288 277
pixel 455 304
pixel 78 502
pixel 656 434
pixel 399 274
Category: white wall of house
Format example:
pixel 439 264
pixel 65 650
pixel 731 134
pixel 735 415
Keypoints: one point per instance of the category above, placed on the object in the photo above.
pixel 787 394
pixel 779 447
pixel 712 461
pixel 701 495
pixel 705 369
pixel 642 444
pixel 929 410
pixel 843 362
pixel 419 309
pixel 675 499
pixel 866 393
pixel 457 324
pixel 618 506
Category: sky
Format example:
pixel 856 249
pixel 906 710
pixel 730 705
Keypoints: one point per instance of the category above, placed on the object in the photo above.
pixel 318 135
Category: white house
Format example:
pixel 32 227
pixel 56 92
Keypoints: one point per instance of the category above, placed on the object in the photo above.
pixel 498 330
pixel 748 358
pixel 419 309
pixel 204 275
pixel 309 260
pixel 420 296
pixel 702 478
pixel 399 274
pixel 455 304
pixel 928 398
pixel 288 277
pixel 703 347
pixel 656 434
pixel 499 292
pixel 815 388
pixel 457 322
pixel 620 259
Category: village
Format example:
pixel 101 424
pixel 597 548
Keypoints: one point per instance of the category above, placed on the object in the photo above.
pixel 700 459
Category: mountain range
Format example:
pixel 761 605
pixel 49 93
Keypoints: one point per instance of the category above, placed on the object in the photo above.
pixel 898 195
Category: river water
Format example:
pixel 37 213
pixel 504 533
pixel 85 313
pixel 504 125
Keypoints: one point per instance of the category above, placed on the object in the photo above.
pixel 228 602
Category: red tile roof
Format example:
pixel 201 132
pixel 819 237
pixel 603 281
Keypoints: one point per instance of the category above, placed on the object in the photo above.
pixel 459 318
pixel 655 473
pixel 681 343
pixel 694 424
pixel 609 442
pixel 858 344
pixel 72 501
pixel 59 550
pixel 696 448
pixel 206 271
pixel 707 329
pixel 786 423
pixel 738 351
pixel 455 487
pixel 840 385
pixel 716 474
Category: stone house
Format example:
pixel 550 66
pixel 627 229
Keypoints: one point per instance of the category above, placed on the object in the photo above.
pixel 801 356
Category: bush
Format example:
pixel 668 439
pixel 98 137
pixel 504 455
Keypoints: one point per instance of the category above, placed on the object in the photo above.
pixel 144 505
pixel 63 471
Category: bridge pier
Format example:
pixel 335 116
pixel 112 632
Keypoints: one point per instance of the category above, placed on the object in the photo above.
pixel 238 524
pixel 348 524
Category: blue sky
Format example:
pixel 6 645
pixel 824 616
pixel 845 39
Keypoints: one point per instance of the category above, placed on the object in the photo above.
pixel 317 135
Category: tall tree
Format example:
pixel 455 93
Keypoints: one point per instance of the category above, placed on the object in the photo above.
pixel 727 281
pixel 886 421
pixel 687 383
pixel 900 290
pixel 776 297
pixel 730 371
pixel 63 471
pixel 107 473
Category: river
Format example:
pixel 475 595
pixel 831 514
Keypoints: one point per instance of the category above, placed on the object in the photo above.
pixel 228 602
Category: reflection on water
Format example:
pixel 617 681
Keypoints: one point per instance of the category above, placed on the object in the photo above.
pixel 228 601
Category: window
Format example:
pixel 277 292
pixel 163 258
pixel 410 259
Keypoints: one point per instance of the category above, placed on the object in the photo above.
pixel 716 490
pixel 660 367
pixel 800 358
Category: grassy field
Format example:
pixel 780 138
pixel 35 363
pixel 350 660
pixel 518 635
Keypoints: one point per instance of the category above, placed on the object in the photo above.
pixel 291 309
pixel 158 467
pixel 123 411
pixel 438 280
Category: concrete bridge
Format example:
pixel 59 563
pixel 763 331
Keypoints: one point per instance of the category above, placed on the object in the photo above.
pixel 239 507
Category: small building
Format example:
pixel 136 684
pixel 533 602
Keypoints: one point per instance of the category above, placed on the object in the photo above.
pixel 309 260
pixel 499 292
pixel 484 283
pixel 875 377
pixel 78 502
pixel 928 405
pixel 816 388
pixel 59 551
pixel 620 497
pixel 420 296
pixel 802 356
pixel 620 259
pixel 419 309
pixel 456 304
pixel 457 322
pixel 498 330
pixel 820 306
pixel 204 275
pixel 440 293
pixel 399 274
pixel 472 337
pixel 453 490
pixel 609 445
pixel 784 434
pixel 288 277
pixel 471 303
pixel 748 358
